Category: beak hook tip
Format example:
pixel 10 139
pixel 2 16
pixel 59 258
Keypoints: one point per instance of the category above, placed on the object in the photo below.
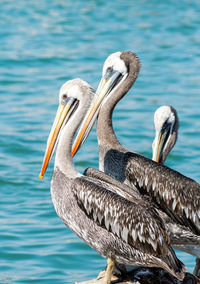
pixel 41 176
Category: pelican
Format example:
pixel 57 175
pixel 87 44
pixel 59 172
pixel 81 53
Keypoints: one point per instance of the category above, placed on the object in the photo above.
pixel 125 230
pixel 172 192
pixel 166 126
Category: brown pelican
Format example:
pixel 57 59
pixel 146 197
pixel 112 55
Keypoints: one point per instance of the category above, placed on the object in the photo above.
pixel 174 194
pixel 166 126
pixel 125 230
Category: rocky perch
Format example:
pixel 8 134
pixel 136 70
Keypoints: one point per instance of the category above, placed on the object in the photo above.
pixel 144 276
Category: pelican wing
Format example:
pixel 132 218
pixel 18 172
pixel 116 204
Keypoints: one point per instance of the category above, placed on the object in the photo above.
pixel 129 193
pixel 177 195
pixel 137 224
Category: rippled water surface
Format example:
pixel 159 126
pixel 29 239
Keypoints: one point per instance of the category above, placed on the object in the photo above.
pixel 45 43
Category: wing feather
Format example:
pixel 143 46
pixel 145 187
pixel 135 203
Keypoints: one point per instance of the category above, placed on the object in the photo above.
pixel 137 224
pixel 130 193
pixel 176 194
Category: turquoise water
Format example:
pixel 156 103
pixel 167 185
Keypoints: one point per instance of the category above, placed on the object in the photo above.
pixel 45 43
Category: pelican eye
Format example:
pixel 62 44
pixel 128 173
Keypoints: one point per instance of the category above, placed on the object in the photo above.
pixel 64 99
pixel 109 69
pixel 109 72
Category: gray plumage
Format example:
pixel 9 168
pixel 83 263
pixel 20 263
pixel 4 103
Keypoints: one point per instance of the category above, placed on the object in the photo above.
pixel 128 231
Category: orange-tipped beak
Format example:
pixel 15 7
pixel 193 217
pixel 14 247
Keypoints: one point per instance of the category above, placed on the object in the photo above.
pixel 105 86
pixel 53 136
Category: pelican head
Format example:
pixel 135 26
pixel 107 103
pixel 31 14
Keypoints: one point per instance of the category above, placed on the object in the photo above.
pixel 117 68
pixel 166 125
pixel 73 94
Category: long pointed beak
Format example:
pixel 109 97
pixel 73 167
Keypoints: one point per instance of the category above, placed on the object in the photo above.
pixel 61 117
pixel 106 85
pixel 159 144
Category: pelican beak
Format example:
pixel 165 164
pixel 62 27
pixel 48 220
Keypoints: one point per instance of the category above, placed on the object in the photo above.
pixel 159 144
pixel 106 85
pixel 63 113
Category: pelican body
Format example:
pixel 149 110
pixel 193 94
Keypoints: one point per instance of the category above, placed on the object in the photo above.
pixel 126 230
pixel 172 193
pixel 166 126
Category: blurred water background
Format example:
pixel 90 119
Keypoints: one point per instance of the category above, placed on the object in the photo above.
pixel 43 44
